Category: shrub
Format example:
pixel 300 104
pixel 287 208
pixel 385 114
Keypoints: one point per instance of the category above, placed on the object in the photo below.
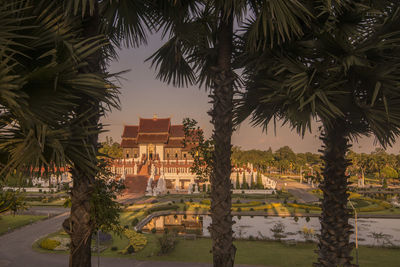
pixel 130 250
pixel 154 201
pixel 153 230
pixel 296 219
pixel 184 208
pixel 181 200
pixel 205 202
pixel 162 207
pixel 167 243
pixel 126 226
pixel 307 219
pixel 137 240
pixel 190 200
pixel 238 201
pixel 49 244
pixel 114 248
pixel 247 204
pixel 251 209
pixel 134 222
pixel 239 209
pixel 105 238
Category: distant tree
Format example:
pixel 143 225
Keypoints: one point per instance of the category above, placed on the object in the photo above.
pixel 237 180
pixel 259 183
pixel 244 182
pixel 110 149
pixel 252 183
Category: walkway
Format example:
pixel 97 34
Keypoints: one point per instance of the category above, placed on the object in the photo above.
pixel 16 250
pixel 298 190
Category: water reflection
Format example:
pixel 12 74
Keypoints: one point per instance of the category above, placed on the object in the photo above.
pixel 183 224
pixel 370 231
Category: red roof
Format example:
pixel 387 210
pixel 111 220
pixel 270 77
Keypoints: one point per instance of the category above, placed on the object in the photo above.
pixel 129 143
pixel 177 131
pixel 152 138
pixel 175 143
pixel 156 131
pixel 154 125
pixel 130 131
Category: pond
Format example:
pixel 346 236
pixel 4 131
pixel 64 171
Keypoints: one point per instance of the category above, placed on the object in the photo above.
pixel 371 231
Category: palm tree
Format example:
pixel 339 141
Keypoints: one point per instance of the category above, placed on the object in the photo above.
pixel 343 71
pixel 64 53
pixel 201 50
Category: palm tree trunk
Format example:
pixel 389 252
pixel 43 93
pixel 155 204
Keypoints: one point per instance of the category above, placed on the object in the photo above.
pixel 222 98
pixel 80 225
pixel 334 246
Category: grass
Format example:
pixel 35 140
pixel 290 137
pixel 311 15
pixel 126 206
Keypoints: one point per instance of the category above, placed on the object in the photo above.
pixel 264 253
pixel 57 202
pixel 13 222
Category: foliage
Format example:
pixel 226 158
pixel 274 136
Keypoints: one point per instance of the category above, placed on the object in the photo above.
pixel 110 149
pixel 105 209
pixel 202 149
pixel 11 201
pixel 167 243
pixel 278 230
pixel 162 207
pixel 136 240
pixel 49 244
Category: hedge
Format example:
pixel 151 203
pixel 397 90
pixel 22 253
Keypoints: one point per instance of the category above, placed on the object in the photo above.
pixel 136 240
pixel 302 206
pixel 49 244
pixel 161 208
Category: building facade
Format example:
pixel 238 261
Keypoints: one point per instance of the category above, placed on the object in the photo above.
pixel 154 139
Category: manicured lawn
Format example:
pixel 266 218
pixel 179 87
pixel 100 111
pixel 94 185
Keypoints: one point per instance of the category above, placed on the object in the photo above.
pixel 57 202
pixel 268 253
pixel 12 222
pixel 264 253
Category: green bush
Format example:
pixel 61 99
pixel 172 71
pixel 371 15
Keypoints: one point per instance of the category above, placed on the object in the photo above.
pixel 49 244
pixel 248 204
pixel 114 248
pixel 134 222
pixel 167 243
pixel 162 207
pixel 205 202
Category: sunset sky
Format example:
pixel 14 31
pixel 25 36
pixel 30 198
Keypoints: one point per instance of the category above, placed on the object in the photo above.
pixel 142 95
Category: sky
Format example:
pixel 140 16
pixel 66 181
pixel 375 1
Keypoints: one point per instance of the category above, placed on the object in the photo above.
pixel 142 95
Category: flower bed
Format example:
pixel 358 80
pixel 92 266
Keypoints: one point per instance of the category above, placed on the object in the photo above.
pixel 136 240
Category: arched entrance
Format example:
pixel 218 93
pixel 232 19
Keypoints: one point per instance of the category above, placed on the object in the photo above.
pixel 151 152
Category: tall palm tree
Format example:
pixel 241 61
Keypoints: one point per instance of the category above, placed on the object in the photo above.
pixel 344 71
pixel 201 50
pixel 65 54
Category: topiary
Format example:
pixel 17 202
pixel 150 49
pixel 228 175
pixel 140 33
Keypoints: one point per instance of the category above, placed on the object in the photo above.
pixel 49 244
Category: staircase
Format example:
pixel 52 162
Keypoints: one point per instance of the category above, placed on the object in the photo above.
pixel 136 184
pixel 144 170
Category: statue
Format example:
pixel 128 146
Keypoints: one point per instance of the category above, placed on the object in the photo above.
pixel 135 169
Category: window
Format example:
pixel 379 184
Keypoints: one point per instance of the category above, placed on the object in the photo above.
pixel 168 156
pixel 135 155
pixel 127 155
pixel 176 155
pixel 184 155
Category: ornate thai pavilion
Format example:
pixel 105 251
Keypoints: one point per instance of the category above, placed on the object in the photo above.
pixel 154 139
